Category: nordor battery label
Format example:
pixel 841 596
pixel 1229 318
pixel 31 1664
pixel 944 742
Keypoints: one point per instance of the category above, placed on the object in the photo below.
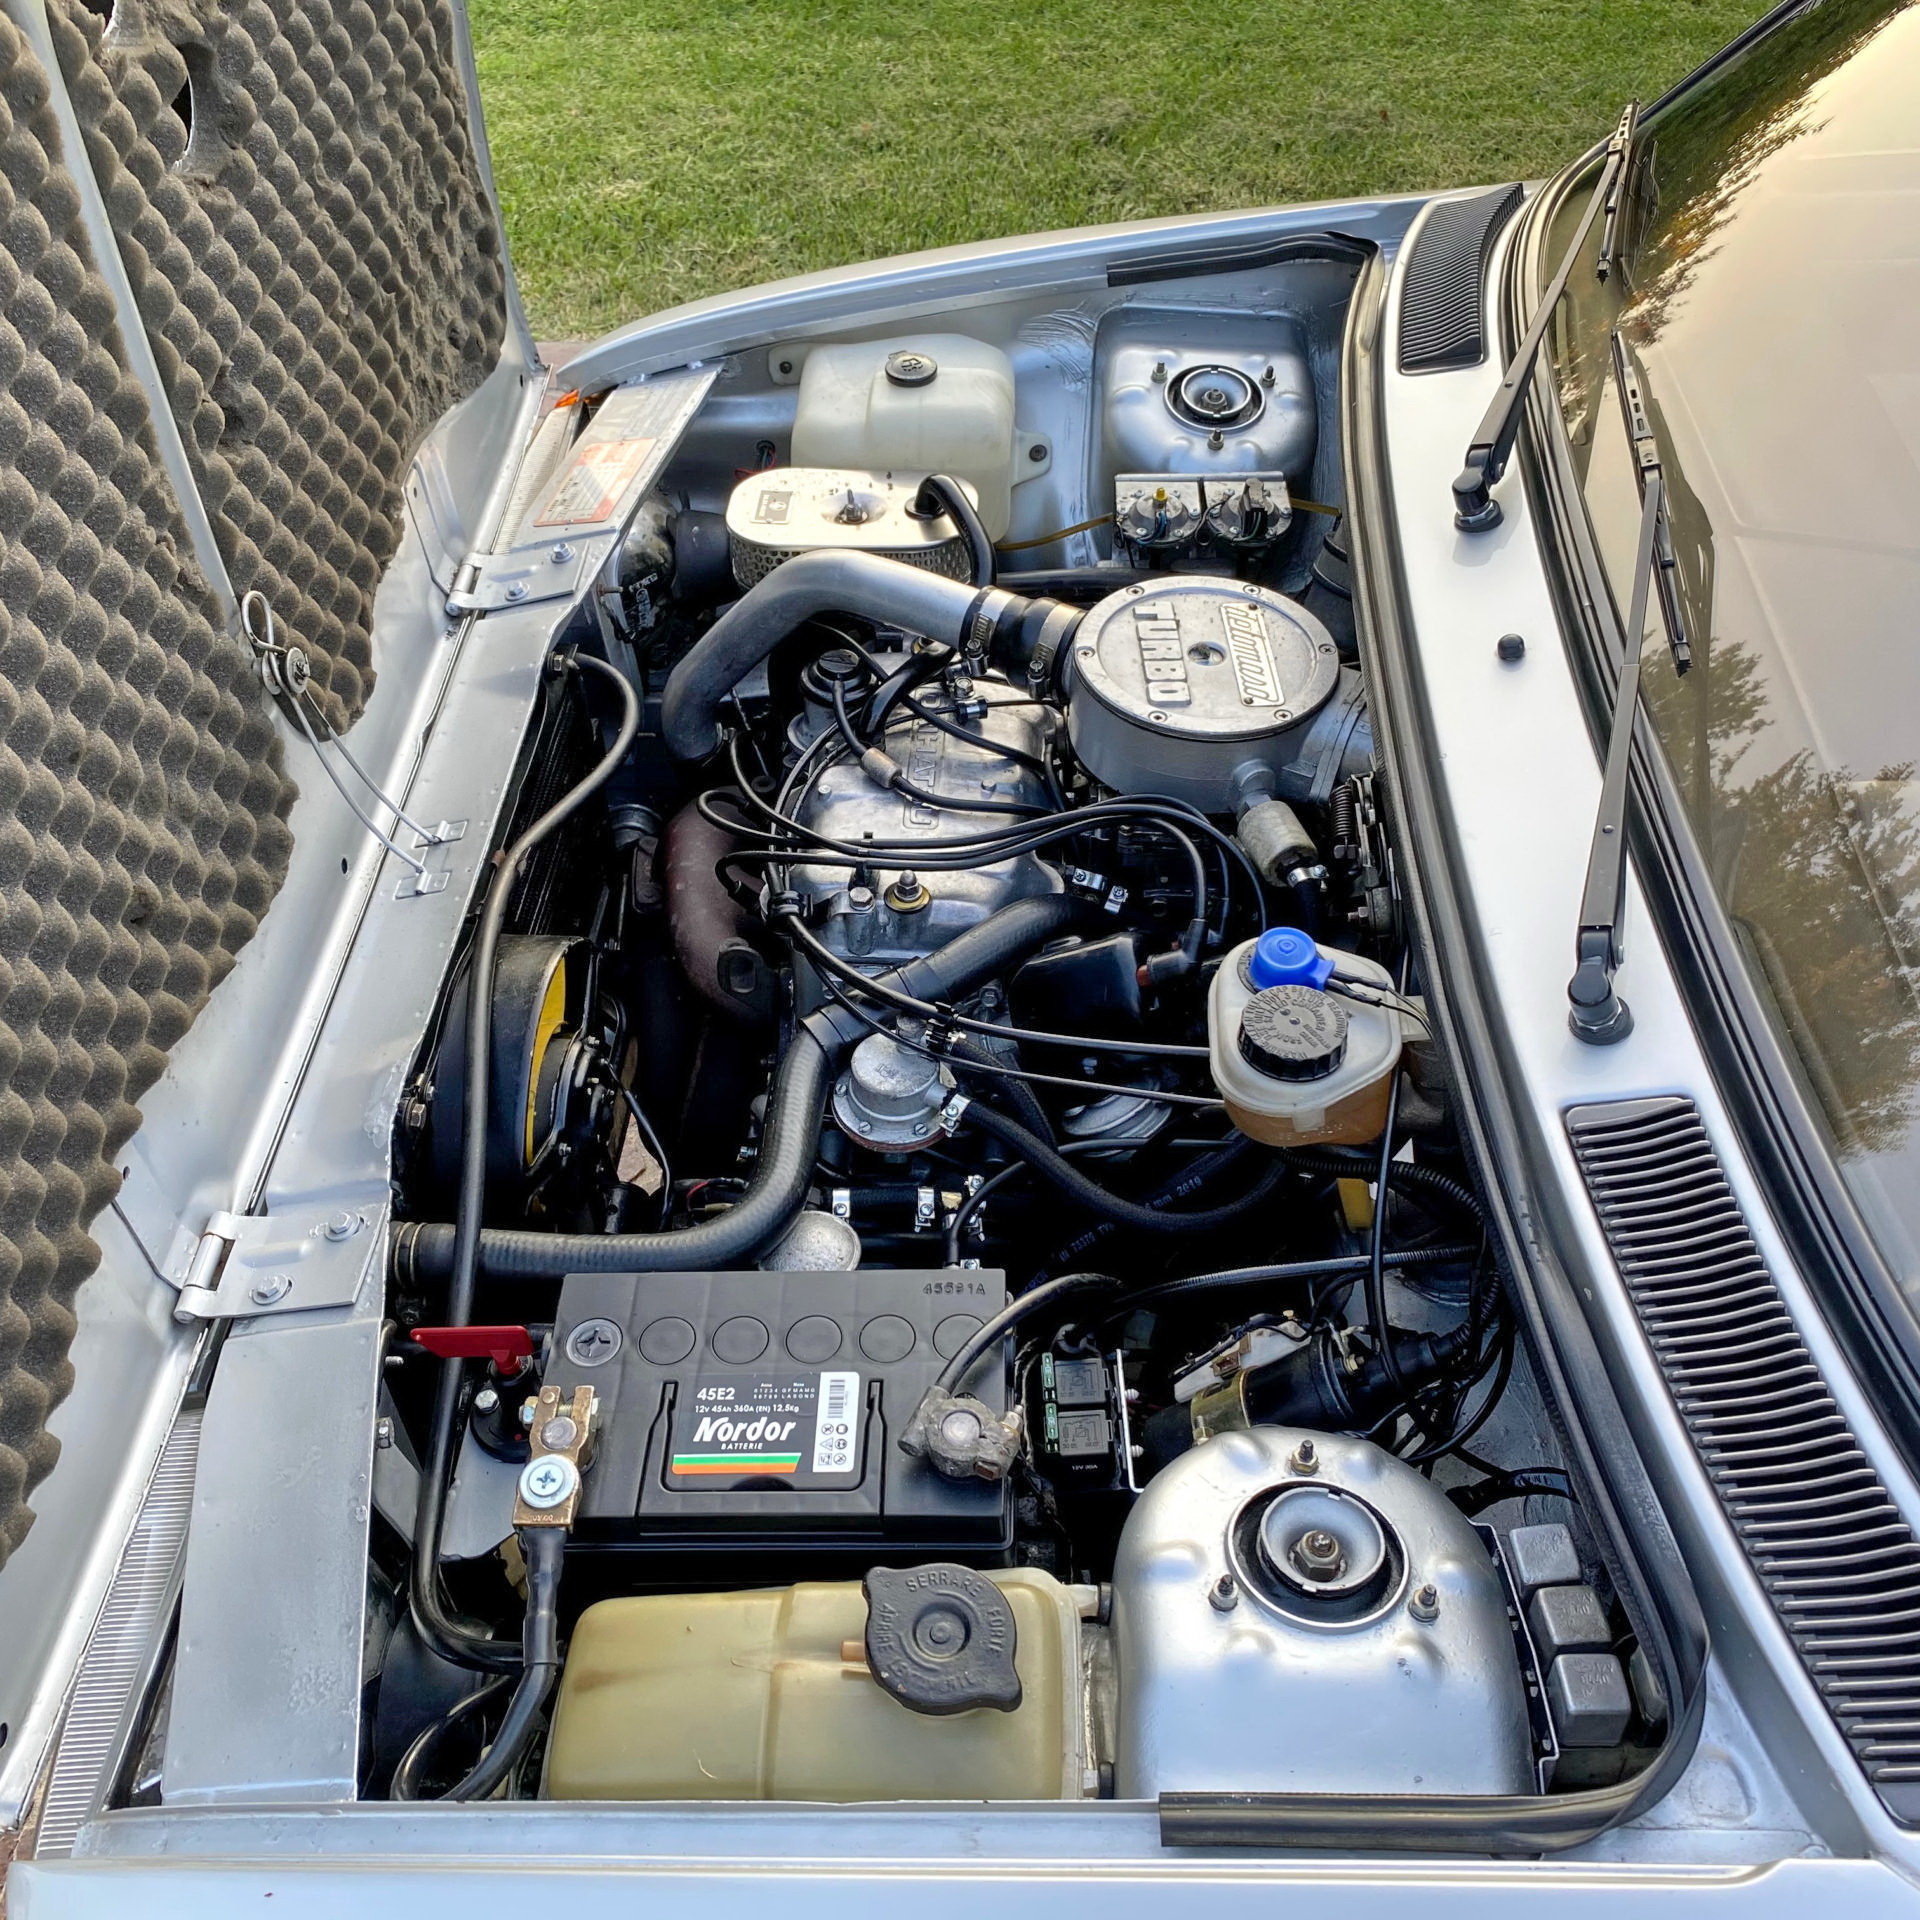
pixel 793 1426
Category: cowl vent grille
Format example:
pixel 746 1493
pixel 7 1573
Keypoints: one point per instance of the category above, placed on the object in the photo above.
pixel 1442 305
pixel 1836 1557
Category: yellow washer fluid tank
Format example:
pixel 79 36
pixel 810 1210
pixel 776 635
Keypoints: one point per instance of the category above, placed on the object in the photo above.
pixel 769 1695
pixel 928 403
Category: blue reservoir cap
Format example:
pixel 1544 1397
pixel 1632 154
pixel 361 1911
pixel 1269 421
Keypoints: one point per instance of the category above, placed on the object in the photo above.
pixel 1286 957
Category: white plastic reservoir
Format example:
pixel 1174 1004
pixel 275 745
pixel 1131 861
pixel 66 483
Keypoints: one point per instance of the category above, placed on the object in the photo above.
pixel 923 403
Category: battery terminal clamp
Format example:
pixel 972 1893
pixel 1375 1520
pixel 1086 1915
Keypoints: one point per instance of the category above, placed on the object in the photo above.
pixel 560 1437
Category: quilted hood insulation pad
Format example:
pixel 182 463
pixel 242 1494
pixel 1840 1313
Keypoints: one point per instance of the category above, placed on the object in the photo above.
pixel 300 210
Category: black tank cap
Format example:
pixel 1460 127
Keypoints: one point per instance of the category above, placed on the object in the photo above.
pixel 1293 1033
pixel 941 1638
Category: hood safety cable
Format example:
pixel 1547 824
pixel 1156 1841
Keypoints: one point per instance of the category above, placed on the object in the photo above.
pixel 287 669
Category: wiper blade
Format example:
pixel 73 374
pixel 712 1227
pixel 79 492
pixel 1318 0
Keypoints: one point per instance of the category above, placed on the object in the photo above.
pixel 1596 1012
pixel 1626 136
pixel 1474 507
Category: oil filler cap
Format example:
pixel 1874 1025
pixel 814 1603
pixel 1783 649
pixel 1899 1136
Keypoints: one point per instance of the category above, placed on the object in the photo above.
pixel 941 1639
pixel 1293 1033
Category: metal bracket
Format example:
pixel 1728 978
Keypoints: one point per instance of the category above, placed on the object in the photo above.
pixel 570 525
pixel 248 1265
pixel 428 878
pixel 493 582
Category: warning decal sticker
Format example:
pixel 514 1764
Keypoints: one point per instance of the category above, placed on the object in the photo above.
pixel 599 475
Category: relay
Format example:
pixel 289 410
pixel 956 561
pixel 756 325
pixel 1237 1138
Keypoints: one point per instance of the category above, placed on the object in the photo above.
pixel 749 1414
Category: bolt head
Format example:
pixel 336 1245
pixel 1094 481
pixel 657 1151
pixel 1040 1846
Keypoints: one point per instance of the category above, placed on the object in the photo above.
pixel 548 1482
pixel 561 554
pixel 383 1431
pixel 485 1400
pixel 343 1226
pixel 517 591
pixel 269 1288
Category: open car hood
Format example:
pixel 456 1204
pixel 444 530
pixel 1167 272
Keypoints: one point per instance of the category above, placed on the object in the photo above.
pixel 251 256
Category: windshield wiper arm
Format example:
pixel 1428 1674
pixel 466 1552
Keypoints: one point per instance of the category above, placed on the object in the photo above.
pixel 1596 1012
pixel 1474 507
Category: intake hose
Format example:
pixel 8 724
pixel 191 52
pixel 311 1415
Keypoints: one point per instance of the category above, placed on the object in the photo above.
pixel 823 581
pixel 783 1171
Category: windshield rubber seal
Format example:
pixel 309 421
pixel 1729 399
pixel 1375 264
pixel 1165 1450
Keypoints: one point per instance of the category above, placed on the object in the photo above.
pixel 1539 1250
pixel 1774 1121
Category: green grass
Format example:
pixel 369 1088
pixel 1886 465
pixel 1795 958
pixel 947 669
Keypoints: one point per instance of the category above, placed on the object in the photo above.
pixel 651 151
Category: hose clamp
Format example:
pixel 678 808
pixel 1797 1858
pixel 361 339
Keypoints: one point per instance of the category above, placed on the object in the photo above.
pixel 954 1112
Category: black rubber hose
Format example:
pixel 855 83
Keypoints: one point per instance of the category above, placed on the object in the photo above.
pixel 1411 1174
pixel 1354 1263
pixel 986 949
pixel 1127 1213
pixel 539 1668
pixel 783 1170
pixel 777 1190
pixel 1377 1250
pixel 914 671
pixel 1184 1184
pixel 437 1628
pixel 952 496
pixel 1017 1093
pixel 985 1338
pixel 824 580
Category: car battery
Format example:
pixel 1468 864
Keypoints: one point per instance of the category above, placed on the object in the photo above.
pixel 747 1415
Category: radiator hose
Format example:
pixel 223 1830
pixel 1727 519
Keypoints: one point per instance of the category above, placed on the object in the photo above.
pixel 796 1103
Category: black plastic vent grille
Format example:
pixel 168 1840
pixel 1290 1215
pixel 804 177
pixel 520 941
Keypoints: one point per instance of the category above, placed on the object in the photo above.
pixel 1442 309
pixel 1837 1559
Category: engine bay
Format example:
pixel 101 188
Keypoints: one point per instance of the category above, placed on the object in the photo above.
pixel 934 1260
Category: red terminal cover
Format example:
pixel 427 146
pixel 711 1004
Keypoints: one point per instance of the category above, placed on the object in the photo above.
pixel 509 1348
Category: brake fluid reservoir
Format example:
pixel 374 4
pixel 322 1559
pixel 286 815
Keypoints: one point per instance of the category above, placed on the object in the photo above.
pixel 1297 1064
pixel 931 403
pixel 790 1693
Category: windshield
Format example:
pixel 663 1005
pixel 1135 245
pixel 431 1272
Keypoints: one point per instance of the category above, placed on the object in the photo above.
pixel 1768 287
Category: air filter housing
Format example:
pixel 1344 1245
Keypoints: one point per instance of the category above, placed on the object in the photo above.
pixel 1186 685
pixel 789 510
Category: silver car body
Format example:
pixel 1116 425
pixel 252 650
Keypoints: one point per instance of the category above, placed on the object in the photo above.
pixel 277 1109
